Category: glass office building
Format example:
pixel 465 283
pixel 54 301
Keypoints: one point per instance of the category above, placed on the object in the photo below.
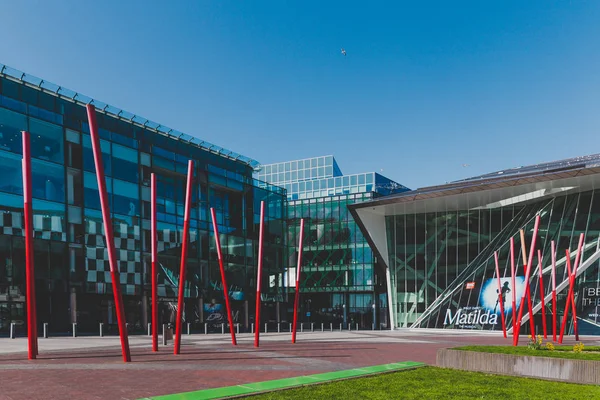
pixel 341 279
pixel 71 264
pixel 438 243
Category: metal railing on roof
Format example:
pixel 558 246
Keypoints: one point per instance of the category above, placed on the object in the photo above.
pixel 78 98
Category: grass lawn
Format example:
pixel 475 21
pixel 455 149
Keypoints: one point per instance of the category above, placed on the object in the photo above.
pixel 438 383
pixel 589 352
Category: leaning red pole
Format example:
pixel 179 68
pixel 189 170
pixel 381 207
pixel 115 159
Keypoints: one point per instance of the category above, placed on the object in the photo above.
pixel 553 249
pixel 108 232
pixel 154 249
pixel 223 278
pixel 297 299
pixel 571 294
pixel 29 264
pixel 542 292
pixel 568 302
pixel 527 289
pixel 527 274
pixel 500 300
pixel 513 284
pixel 182 266
pixel 578 258
pixel 259 274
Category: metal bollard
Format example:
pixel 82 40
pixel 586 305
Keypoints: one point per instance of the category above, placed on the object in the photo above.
pixel 101 329
pixel 373 325
pixel 312 326
pixel 12 330
pixel 349 326
pixel 266 328
pixel 341 326
pixel 149 329
pixel 189 328
pixel 278 327
pixel 237 328
pixel 357 326
pixel 206 329
pixel 74 329
pixel 331 326
pixel 290 325
pixel 322 327
pixel 223 327
pixel 301 326
pixel 45 330
pixel 164 334
pixel 252 328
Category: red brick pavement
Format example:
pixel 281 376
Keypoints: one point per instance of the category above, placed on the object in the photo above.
pixel 100 374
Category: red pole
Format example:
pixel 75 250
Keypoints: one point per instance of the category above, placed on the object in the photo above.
pixel 29 264
pixel 500 300
pixel 571 294
pixel 527 273
pixel 553 249
pixel 154 261
pixel 184 246
pixel 259 274
pixel 223 279
pixel 542 292
pixel 297 299
pixel 108 232
pixel 574 277
pixel 568 303
pixel 513 284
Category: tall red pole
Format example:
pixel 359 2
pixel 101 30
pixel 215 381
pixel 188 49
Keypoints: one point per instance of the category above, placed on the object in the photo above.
pixel 154 261
pixel 223 278
pixel 568 302
pixel 259 274
pixel 108 232
pixel 299 266
pixel 527 274
pixel 574 277
pixel 553 249
pixel 29 264
pixel 527 288
pixel 542 293
pixel 513 284
pixel 500 299
pixel 184 246
pixel 571 294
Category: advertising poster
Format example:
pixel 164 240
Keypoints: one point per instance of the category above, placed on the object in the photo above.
pixel 588 313
pixel 488 297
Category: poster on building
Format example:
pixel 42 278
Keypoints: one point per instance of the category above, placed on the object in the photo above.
pixel 588 314
pixel 486 313
pixel 489 299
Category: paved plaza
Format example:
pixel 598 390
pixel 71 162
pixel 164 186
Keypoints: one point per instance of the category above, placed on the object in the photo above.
pixel 92 368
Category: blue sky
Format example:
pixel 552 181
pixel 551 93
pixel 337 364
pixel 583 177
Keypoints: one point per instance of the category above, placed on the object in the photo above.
pixel 425 87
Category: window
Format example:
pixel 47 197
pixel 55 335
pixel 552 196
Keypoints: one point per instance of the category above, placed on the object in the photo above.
pixel 10 170
pixel 125 198
pixel 125 163
pixel 11 125
pixel 46 141
pixel 47 181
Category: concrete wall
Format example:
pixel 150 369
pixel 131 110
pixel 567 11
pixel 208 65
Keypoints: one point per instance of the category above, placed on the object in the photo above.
pixel 575 371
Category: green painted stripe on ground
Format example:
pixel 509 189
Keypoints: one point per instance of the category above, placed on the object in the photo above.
pixel 253 388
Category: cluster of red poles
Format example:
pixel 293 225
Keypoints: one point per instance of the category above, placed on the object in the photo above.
pixel 517 316
pixel 114 267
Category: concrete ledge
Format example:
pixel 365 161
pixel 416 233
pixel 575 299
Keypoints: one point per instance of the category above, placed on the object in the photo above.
pixel 558 369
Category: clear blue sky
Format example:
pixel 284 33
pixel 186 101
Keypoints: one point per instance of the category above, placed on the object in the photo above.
pixel 426 86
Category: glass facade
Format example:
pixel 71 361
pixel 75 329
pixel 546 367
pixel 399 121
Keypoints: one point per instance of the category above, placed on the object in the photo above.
pixel 71 262
pixel 341 279
pixel 439 246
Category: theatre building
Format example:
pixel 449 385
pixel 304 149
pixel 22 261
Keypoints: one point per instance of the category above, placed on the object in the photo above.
pixel 437 245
